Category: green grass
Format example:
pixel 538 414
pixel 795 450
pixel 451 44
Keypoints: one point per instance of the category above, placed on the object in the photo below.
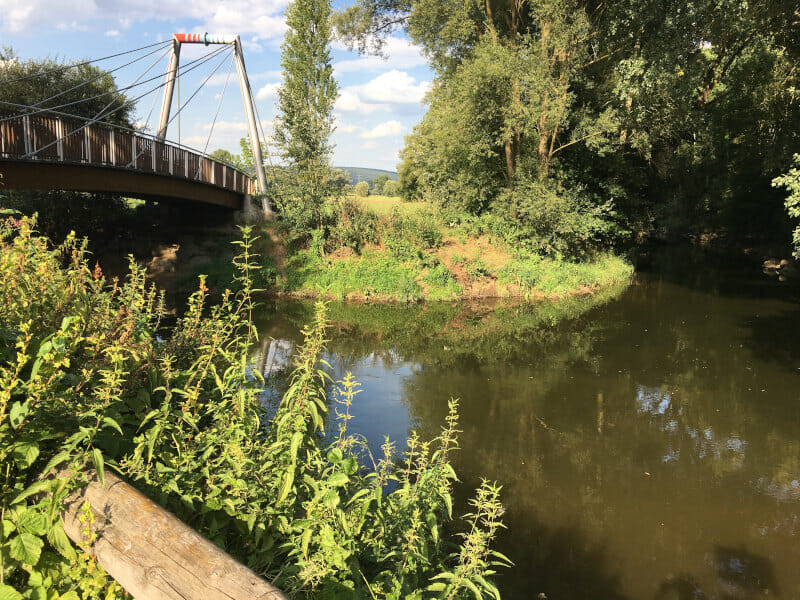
pixel 383 205
pixel 559 277
pixel 374 275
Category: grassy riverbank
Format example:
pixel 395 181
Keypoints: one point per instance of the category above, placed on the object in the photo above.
pixel 407 253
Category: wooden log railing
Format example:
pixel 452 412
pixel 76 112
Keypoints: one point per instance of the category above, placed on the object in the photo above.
pixel 152 554
pixel 42 137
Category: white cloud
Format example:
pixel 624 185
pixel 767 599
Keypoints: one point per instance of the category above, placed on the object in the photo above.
pixel 261 17
pixel 394 87
pixel 400 53
pixel 342 127
pixel 368 145
pixel 268 92
pixel 112 33
pixel 349 101
pixel 384 130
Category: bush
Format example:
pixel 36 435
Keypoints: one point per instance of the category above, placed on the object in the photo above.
pixel 791 181
pixel 406 235
pixel 391 188
pixel 554 222
pixel 353 227
pixel 362 189
pixel 86 380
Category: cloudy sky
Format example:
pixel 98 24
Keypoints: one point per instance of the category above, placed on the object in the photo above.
pixel 380 100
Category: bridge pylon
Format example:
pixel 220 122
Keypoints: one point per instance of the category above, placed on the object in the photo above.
pixel 247 98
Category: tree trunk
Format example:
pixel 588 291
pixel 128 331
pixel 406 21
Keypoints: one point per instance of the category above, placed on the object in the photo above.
pixel 154 555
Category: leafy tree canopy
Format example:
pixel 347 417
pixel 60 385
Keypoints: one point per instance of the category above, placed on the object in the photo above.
pixel 83 90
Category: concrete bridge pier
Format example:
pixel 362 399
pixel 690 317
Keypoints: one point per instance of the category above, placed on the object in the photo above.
pixel 252 211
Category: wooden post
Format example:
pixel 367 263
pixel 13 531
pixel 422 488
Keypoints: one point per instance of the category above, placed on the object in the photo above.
pixel 154 555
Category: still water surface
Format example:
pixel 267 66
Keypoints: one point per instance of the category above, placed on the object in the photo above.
pixel 647 441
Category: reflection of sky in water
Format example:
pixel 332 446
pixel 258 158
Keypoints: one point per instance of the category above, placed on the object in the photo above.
pixel 379 411
pixel 706 443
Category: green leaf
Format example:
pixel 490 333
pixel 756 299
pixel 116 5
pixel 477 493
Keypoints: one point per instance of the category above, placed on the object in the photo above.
pixel 59 540
pixel 350 465
pixel 334 455
pixel 24 454
pixel 26 548
pixel 97 459
pixel 108 421
pixel 35 488
pixel 8 528
pixel 31 521
pixel 331 499
pixel 17 414
pixel 58 459
pixel 436 587
pixel 9 593
pixel 286 486
pixel 338 480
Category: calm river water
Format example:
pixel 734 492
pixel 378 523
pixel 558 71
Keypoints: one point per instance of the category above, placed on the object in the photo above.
pixel 647 441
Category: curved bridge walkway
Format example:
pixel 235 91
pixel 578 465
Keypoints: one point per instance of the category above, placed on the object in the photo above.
pixel 54 153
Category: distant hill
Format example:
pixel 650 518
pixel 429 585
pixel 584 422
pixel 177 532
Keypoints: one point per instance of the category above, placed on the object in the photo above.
pixel 363 174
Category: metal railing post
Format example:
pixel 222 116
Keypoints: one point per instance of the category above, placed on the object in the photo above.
pixel 87 138
pixel 26 134
pixel 112 148
pixel 60 134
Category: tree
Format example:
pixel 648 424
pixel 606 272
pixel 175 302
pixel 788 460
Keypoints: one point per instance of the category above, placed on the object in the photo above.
pixel 89 91
pixel 391 188
pixel 501 110
pixel 680 113
pixel 362 189
pixel 378 183
pixel 305 104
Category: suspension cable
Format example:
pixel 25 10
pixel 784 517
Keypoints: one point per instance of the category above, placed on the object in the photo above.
pixel 103 74
pixel 197 91
pixel 102 114
pixel 80 64
pixel 195 64
pixel 219 106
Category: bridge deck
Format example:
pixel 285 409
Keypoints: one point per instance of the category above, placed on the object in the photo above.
pixel 46 152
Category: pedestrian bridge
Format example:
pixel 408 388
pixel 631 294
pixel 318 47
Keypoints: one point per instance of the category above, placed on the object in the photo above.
pixel 44 152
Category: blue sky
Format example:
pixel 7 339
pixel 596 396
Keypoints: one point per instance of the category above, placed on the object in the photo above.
pixel 380 100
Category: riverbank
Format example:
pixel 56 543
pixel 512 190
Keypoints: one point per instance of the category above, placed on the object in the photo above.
pixel 455 270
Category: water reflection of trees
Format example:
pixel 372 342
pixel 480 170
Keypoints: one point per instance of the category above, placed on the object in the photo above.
pixel 630 439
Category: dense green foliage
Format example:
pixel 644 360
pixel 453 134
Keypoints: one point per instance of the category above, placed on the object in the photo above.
pixel 84 90
pixel 304 122
pixel 401 256
pixel 361 189
pixel 656 116
pixel 791 181
pixel 85 380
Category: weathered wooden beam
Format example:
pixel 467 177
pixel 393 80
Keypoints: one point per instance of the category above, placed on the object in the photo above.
pixel 152 554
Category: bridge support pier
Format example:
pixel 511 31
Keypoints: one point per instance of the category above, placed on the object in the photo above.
pixel 252 212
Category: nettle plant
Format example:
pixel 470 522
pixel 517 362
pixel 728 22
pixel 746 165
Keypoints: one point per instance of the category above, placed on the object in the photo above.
pixel 86 382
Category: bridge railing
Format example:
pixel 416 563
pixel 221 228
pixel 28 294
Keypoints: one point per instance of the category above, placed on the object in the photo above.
pixel 57 139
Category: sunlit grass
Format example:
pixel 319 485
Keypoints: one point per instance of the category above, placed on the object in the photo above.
pixel 383 205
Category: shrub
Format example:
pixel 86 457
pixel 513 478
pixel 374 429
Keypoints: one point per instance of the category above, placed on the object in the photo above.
pixel 406 235
pixel 85 380
pixel 354 226
pixel 362 189
pixel 791 181
pixel 391 188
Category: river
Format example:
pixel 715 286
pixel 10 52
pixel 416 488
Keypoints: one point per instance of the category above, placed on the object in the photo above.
pixel 647 439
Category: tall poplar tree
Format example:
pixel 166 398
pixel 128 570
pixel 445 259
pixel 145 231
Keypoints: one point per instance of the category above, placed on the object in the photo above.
pixel 305 103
